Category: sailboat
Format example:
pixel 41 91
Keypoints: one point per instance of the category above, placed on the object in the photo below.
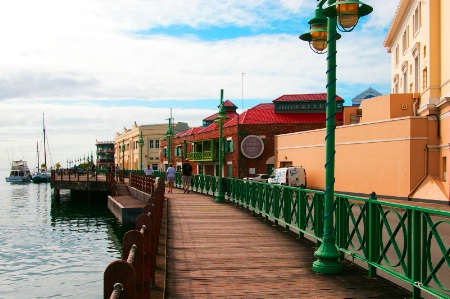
pixel 42 175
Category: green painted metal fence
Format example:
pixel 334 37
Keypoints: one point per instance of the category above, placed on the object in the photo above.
pixel 408 242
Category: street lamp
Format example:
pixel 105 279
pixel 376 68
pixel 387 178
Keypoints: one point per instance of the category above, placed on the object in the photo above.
pixel 123 154
pixel 347 12
pixel 169 136
pixel 221 119
pixel 141 145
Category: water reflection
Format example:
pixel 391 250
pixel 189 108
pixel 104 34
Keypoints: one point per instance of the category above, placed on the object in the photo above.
pixel 54 249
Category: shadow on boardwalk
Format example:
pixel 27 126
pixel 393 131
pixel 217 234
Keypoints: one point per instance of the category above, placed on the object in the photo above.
pixel 222 251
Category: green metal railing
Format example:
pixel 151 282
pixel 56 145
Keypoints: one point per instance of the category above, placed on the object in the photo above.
pixel 407 242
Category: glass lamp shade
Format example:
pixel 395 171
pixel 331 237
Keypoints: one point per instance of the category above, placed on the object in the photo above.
pixel 347 14
pixel 319 37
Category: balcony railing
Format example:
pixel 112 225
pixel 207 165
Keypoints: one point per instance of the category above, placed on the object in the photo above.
pixel 203 156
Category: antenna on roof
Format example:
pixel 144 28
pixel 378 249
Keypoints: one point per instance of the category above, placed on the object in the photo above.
pixel 243 91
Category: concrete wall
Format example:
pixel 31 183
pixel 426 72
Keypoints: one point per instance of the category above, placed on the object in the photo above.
pixel 387 157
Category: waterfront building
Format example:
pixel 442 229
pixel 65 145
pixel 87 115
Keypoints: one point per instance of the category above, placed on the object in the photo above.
pixel 128 152
pixel 366 94
pixel 399 148
pixel 105 154
pixel 249 136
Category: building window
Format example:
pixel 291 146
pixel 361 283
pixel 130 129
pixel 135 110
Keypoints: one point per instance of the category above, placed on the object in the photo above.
pixel 156 143
pixel 178 151
pixel 417 19
pixel 405 40
pixel 396 55
pixel 200 169
pixel 229 146
pixel 405 82
pixel 411 88
pixel 416 73
pixel 424 79
pixel 424 51
pixel 150 144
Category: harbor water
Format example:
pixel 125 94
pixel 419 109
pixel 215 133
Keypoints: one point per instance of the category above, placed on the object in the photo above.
pixel 54 249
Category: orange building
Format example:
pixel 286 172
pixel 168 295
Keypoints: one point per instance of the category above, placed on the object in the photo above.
pixel 399 148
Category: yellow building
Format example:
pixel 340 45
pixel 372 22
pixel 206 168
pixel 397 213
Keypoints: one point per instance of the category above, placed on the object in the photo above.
pixel 418 42
pixel 128 150
pixel 400 146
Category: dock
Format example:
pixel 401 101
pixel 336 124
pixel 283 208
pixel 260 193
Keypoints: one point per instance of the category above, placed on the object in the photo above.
pixel 224 251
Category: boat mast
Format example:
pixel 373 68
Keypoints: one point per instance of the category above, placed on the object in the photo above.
pixel 45 153
pixel 37 150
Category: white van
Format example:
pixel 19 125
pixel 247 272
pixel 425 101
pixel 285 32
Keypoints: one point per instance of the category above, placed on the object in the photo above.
pixel 289 176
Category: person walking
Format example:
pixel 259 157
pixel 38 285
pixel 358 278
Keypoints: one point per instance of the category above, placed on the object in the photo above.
pixel 148 171
pixel 117 172
pixel 186 170
pixel 170 177
pixel 93 170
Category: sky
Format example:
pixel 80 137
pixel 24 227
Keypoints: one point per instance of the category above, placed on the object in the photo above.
pixel 93 67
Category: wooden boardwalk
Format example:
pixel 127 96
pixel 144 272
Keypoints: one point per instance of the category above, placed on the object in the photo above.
pixel 223 251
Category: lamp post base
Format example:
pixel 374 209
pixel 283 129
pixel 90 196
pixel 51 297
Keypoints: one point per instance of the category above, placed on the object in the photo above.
pixel 327 259
pixel 220 197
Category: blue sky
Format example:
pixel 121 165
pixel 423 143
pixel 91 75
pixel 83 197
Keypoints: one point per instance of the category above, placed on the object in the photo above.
pixel 96 66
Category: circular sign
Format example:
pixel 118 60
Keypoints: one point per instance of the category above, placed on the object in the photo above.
pixel 252 146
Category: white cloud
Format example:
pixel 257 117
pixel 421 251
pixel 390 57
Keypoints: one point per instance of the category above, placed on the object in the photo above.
pixel 62 57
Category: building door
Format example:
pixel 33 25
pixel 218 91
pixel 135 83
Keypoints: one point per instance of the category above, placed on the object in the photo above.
pixel 230 170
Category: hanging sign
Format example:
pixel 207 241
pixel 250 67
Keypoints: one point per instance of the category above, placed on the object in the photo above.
pixel 252 146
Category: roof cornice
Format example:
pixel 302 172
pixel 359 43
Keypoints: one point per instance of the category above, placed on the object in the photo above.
pixel 402 9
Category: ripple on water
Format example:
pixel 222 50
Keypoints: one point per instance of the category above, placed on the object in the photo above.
pixel 54 250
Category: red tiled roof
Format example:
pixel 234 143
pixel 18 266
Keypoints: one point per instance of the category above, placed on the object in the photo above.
pixel 228 103
pixel 191 131
pixel 265 114
pixel 305 97
pixel 230 115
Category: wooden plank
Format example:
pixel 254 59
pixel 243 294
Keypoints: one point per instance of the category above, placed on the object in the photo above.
pixel 221 251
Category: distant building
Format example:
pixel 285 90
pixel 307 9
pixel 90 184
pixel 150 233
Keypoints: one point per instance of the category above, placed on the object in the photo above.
pixel 249 136
pixel 105 154
pixel 367 94
pixel 128 149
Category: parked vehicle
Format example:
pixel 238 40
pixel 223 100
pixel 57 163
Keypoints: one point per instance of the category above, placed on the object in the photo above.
pixel 257 177
pixel 289 176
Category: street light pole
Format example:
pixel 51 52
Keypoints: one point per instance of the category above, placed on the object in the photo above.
pixel 141 145
pixel 169 136
pixel 220 119
pixel 347 13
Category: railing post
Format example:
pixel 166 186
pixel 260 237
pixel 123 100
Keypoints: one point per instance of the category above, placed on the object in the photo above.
pixel 119 272
pixel 301 216
pixel 373 234
pixel 342 222
pixel 415 244
pixel 134 237
pixel 144 224
pixel 318 216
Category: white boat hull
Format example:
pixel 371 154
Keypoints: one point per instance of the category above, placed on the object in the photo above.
pixel 17 179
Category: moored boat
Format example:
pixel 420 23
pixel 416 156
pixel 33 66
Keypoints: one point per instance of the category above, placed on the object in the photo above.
pixel 19 173
pixel 42 175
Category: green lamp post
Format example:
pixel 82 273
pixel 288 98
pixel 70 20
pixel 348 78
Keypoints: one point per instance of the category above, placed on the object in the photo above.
pixel 221 119
pixel 141 145
pixel 123 154
pixel 347 12
pixel 169 136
